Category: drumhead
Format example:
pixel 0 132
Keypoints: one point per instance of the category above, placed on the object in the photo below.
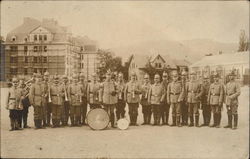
pixel 122 124
pixel 98 119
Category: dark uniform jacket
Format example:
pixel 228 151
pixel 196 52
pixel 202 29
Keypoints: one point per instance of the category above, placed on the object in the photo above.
pixel 145 90
pixel 175 92
pixel 194 91
pixel 215 94
pixel 232 91
pixel 156 94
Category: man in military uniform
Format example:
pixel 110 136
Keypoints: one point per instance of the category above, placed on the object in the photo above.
pixel 46 104
pixel 93 90
pixel 36 97
pixel 120 107
pixel 65 101
pixel 194 91
pixel 132 92
pixel 184 105
pixel 165 107
pixel 25 104
pixel 232 91
pixel 75 97
pixel 215 99
pixel 13 104
pixel 108 96
pixel 156 97
pixel 83 84
pixel 206 109
pixel 56 93
pixel 174 97
pixel 146 107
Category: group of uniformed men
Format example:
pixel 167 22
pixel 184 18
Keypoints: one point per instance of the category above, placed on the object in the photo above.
pixel 60 101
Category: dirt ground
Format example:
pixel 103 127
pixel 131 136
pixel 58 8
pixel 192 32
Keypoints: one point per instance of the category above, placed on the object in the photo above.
pixel 136 142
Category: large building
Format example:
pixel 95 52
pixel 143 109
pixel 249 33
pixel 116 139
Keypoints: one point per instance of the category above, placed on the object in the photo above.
pixel 223 64
pixel 39 46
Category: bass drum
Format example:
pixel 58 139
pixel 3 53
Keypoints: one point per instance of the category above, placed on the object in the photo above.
pixel 98 119
pixel 123 124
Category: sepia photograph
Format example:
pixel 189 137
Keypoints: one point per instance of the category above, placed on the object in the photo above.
pixel 124 79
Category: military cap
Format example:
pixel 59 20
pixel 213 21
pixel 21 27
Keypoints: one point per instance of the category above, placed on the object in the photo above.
pixel 215 75
pixel 108 72
pixel 205 77
pixel 192 73
pixel 120 74
pixel 232 73
pixel 74 76
pixel 64 77
pixel 164 74
pixel 46 73
pixel 157 75
pixel 56 78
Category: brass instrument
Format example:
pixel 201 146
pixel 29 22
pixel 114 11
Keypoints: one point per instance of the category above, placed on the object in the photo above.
pixel 133 92
pixel 20 104
pixel 80 98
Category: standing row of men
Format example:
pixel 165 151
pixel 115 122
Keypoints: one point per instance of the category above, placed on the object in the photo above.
pixel 61 101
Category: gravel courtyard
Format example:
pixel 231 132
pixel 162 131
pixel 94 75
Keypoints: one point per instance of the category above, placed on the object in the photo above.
pixel 136 142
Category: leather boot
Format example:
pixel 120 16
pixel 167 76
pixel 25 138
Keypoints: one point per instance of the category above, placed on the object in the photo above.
pixel 167 118
pixel 215 120
pixel 178 121
pixel 158 119
pixel 197 121
pixel 191 121
pixel 135 120
pixel 53 123
pixel 17 125
pixel 12 125
pixel 131 120
pixel 112 119
pixel 230 118
pixel 155 119
pixel 72 121
pixel 25 123
pixel 40 124
pixel 144 119
pixel 48 120
pixel 173 121
pixel 218 120
pixel 149 119
pixel 235 121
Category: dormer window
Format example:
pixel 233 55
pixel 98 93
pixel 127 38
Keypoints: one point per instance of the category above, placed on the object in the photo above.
pixel 45 37
pixel 13 38
pixel 25 39
pixel 35 37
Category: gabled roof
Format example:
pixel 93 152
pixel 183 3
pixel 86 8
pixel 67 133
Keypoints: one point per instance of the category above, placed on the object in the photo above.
pixel 155 56
pixel 223 59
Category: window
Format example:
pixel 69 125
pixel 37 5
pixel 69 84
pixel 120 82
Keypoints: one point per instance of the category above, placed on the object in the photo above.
pixel 35 48
pixel 26 39
pixel 40 48
pixel 25 71
pixel 11 59
pixel 26 60
pixel 45 69
pixel 35 60
pixel 13 38
pixel 40 37
pixel 25 48
pixel 13 48
pixel 159 65
pixel 45 59
pixel 35 37
pixel 45 48
pixel 35 70
pixel 81 49
pixel 45 37
pixel 39 59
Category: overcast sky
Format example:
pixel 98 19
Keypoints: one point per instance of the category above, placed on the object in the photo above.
pixel 115 24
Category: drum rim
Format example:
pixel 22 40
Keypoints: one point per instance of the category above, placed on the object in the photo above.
pixel 95 109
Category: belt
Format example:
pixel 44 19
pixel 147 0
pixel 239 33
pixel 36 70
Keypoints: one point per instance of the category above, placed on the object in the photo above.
pixel 38 95
pixel 230 94
pixel 192 92
pixel 215 95
pixel 73 94
pixel 175 93
pixel 54 94
pixel 12 98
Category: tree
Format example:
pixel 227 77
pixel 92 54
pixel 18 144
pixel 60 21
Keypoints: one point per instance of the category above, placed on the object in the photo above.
pixel 243 42
pixel 109 61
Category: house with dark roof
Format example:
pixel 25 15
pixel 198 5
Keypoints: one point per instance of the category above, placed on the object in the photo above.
pixel 39 46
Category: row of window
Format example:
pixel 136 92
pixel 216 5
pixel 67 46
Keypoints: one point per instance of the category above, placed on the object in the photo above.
pixel 40 37
pixel 26 59
pixel 14 71
pixel 35 48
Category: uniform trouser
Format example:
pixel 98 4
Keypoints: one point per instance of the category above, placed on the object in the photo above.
pixel 176 112
pixel 165 113
pixel 65 112
pixel 193 111
pixel 38 115
pixel 206 112
pixel 216 110
pixel 83 111
pixel 75 112
pixel 56 114
pixel 232 112
pixel 47 110
pixel 110 110
pixel 146 110
pixel 94 106
pixel 13 114
pixel 184 112
pixel 156 108
pixel 120 109
pixel 23 116
pixel 133 112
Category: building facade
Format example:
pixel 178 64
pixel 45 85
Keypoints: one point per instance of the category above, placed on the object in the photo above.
pixel 42 46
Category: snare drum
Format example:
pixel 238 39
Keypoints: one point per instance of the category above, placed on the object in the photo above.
pixel 122 123
pixel 98 119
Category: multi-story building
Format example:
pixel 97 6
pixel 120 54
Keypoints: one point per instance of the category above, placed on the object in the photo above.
pixel 42 46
